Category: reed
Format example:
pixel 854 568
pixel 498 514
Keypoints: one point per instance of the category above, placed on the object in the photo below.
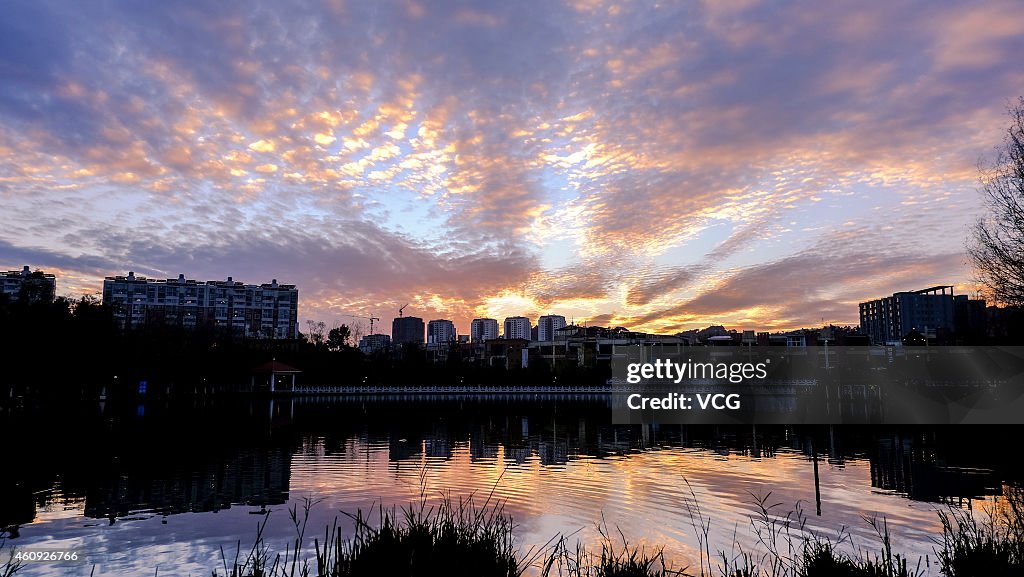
pixel 459 538
pixel 615 557
pixel 8 564
pixel 454 537
pixel 992 545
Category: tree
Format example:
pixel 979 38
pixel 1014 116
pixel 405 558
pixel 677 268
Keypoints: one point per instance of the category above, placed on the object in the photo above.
pixel 36 289
pixel 338 337
pixel 357 331
pixel 997 242
pixel 316 332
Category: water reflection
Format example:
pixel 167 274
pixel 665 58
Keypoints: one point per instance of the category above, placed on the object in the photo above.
pixel 185 480
pixel 149 482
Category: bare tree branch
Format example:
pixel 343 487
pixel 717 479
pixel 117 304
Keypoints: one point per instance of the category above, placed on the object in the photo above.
pixel 997 242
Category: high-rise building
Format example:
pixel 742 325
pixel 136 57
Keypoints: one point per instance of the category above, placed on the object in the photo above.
pixel 517 328
pixel 373 343
pixel 547 325
pixel 889 319
pixel 440 331
pixel 34 286
pixel 266 311
pixel 481 330
pixel 407 330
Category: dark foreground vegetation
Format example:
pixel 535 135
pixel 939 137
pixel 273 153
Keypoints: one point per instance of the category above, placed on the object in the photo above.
pixel 461 539
pixel 458 538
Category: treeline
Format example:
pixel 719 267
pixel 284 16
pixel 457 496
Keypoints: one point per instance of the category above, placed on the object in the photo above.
pixel 73 349
pixel 55 342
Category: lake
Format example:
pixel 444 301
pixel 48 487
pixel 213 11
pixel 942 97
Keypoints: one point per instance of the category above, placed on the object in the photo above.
pixel 165 486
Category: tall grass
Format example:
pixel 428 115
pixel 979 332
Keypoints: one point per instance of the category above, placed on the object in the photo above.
pixel 993 546
pixel 455 538
pixel 8 564
pixel 786 547
pixel 458 538
pixel 616 557
pixel 262 561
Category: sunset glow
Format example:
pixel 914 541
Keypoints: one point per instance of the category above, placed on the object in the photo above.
pixel 657 166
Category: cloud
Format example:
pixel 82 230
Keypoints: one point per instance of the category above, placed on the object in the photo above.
pixel 93 264
pixel 631 163
pixel 823 281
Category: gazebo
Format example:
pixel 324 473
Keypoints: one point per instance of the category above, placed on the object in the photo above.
pixel 274 376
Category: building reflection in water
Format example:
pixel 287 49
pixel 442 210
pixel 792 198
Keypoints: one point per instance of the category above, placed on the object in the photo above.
pixel 145 482
pixel 173 459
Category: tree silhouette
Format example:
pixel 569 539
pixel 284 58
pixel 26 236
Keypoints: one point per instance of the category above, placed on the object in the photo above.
pixel 338 338
pixel 316 333
pixel 997 242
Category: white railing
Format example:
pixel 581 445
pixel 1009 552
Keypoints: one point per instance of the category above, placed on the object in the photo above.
pixel 447 389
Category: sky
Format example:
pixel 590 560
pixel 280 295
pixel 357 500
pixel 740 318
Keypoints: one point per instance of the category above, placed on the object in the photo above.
pixel 660 166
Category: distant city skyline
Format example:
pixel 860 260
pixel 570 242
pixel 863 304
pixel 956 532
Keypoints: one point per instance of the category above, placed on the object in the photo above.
pixel 661 167
pixel 270 311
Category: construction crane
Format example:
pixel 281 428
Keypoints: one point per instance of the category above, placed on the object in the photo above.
pixel 402 308
pixel 371 319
